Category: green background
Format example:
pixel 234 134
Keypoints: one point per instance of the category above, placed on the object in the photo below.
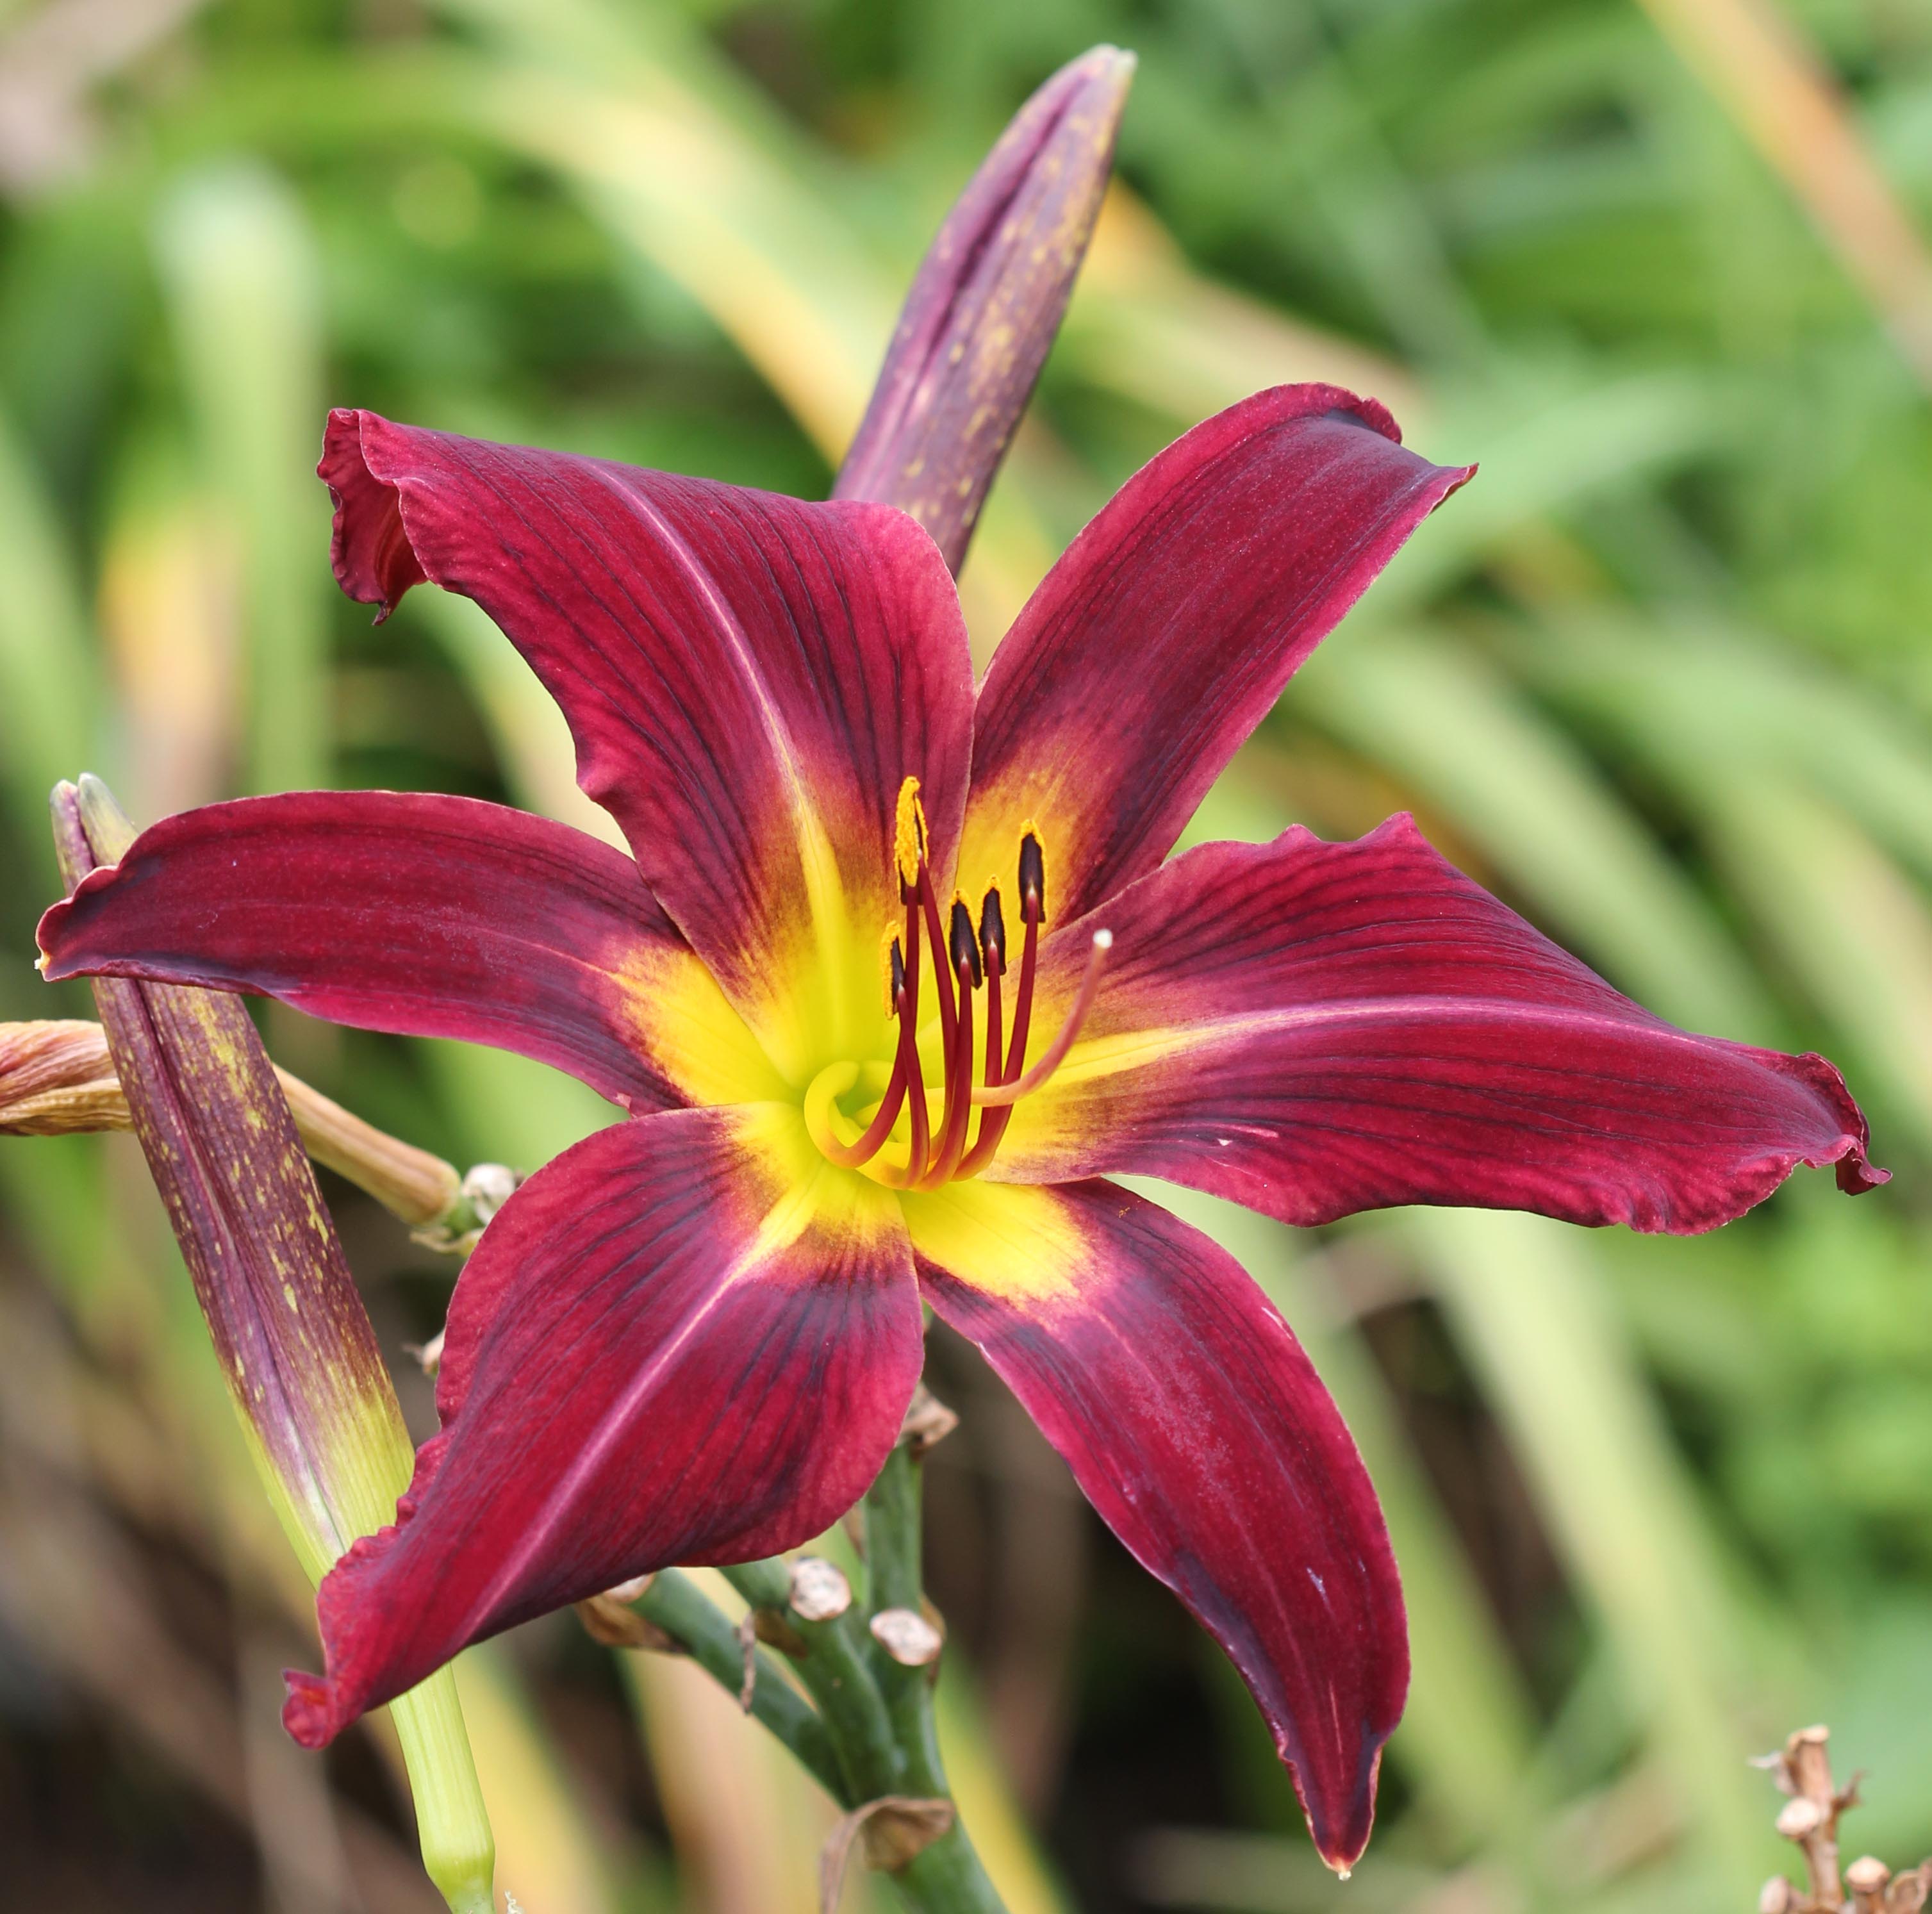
pixel 1660 677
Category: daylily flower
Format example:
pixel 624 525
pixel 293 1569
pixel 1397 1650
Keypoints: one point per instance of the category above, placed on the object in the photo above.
pixel 850 1085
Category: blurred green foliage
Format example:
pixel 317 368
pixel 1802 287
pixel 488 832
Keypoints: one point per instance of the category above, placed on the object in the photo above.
pixel 1661 677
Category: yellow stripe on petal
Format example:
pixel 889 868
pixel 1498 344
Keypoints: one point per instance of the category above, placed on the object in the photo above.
pixel 1010 1240
pixel 801 1190
pixel 686 1026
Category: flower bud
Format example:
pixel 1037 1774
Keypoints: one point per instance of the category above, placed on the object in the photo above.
pixel 295 1345
pixel 988 299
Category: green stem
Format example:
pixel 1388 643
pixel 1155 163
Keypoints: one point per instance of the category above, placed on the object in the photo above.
pixel 837 1673
pixel 872 1732
pixel 947 1877
pixel 683 1612
pixel 459 1851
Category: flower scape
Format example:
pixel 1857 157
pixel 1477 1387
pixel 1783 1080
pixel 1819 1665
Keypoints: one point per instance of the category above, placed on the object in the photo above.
pixel 899 972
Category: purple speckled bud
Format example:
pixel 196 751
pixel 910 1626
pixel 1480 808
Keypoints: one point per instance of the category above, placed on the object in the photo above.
pixel 982 312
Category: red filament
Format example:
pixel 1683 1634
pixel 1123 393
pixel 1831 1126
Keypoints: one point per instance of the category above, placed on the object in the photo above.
pixel 962 962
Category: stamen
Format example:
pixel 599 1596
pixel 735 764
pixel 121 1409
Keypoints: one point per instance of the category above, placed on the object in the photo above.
pixel 1023 1007
pixel 909 834
pixel 962 945
pixel 993 946
pixel 915 1074
pixel 1056 1051
pixel 993 930
pixel 1033 909
pixel 1033 875
pixel 966 964
pixel 961 961
pixel 921 1135
pixel 992 1123
pixel 942 980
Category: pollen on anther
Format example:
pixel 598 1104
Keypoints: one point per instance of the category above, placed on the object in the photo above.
pixel 909 833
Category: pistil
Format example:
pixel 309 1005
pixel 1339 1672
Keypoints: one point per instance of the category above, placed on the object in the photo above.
pixel 1011 1093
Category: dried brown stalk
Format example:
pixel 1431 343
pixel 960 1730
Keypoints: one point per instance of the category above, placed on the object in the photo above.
pixel 1802 1769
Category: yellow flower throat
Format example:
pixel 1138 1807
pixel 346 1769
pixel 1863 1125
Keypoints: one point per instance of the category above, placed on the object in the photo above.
pixel 964 962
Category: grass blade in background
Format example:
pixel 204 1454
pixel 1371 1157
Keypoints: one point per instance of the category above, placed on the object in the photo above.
pixel 1531 1313
pixel 49 683
pixel 243 288
pixel 1459 733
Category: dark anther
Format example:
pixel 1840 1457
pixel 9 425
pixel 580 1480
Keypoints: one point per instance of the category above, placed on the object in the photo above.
pixel 898 970
pixel 993 932
pixel 1033 880
pixel 964 946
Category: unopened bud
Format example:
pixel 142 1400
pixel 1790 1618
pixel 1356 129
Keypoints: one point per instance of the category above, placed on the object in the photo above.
pixel 412 1184
pixel 907 1636
pixel 57 1078
pixel 819 1591
pixel 986 304
pixel 1776 1897
pixel 296 1348
pixel 483 1191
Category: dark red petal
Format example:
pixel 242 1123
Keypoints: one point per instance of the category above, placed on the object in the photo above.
pixel 1200 1430
pixel 989 299
pixel 1158 642
pixel 678 1343
pixel 1313 1029
pixel 748 679
pixel 430 916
